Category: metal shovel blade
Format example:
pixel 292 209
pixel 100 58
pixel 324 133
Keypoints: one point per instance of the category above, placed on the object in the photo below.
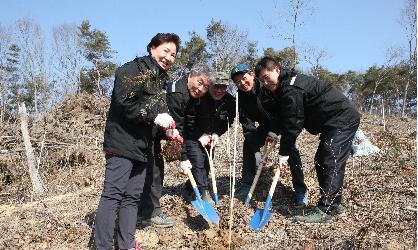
pixel 260 219
pixel 205 209
pixel 261 216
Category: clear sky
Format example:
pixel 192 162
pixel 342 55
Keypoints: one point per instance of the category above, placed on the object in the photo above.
pixel 355 34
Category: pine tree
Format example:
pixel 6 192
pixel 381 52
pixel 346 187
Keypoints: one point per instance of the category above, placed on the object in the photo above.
pixel 97 50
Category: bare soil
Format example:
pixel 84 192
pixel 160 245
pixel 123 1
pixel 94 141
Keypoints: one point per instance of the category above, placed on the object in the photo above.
pixel 379 191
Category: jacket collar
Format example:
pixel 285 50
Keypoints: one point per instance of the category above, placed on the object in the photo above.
pixel 152 65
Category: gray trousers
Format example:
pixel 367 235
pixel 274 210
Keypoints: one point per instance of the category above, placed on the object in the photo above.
pixel 123 185
pixel 150 200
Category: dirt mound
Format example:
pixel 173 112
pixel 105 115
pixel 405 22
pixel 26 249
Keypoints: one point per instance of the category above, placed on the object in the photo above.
pixel 379 196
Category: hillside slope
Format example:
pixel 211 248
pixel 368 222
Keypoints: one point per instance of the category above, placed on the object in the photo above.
pixel 380 191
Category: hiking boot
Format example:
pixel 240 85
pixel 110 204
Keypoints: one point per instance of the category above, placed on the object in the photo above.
pixel 338 210
pixel 301 198
pixel 242 191
pixel 206 196
pixel 313 215
pixel 161 220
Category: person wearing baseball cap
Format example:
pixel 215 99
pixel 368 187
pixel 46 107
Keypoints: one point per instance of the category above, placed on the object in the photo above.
pixel 256 106
pixel 205 121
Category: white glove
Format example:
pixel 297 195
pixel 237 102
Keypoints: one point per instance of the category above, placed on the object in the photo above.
pixel 164 120
pixel 271 137
pixel 257 158
pixel 214 139
pixel 204 140
pixel 185 166
pixel 171 134
pixel 283 161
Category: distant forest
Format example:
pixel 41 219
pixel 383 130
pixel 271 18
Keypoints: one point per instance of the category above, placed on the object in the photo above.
pixel 80 59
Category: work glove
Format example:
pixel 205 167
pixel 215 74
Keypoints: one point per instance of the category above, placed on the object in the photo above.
pixel 257 158
pixel 165 121
pixel 173 135
pixel 282 161
pixel 271 137
pixel 204 140
pixel 185 166
pixel 214 138
pixel 281 164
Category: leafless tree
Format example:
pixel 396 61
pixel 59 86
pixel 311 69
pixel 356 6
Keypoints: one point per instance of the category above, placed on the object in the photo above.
pixel 409 23
pixel 289 22
pixel 67 58
pixel 31 41
pixel 226 45
pixel 393 56
pixel 5 41
pixel 314 57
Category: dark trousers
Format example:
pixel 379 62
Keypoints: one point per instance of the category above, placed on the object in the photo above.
pixel 150 200
pixel 330 159
pixel 122 188
pixel 200 162
pixel 252 144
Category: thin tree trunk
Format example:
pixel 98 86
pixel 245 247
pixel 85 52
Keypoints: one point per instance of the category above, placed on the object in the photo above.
pixel 383 115
pixel 405 94
pixel 33 171
pixel 35 94
pixel 98 79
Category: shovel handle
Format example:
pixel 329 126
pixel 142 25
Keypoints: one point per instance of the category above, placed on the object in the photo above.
pixel 212 170
pixel 193 182
pixel 266 152
pixel 274 183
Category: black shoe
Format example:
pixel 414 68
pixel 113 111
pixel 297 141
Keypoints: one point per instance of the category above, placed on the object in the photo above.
pixel 242 191
pixel 161 220
pixel 187 194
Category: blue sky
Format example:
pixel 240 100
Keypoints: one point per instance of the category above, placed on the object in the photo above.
pixel 355 34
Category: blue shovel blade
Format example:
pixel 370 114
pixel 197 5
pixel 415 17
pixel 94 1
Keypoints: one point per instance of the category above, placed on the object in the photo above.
pixel 260 219
pixel 205 209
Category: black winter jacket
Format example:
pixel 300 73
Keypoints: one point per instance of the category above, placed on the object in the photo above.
pixel 207 116
pixel 254 106
pixel 309 103
pixel 137 98
pixel 177 98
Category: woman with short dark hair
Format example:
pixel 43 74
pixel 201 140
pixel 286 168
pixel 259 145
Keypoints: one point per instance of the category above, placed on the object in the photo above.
pixel 137 110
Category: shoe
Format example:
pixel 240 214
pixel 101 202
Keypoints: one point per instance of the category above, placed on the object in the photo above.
pixel 242 191
pixel 137 246
pixel 338 210
pixel 313 215
pixel 161 220
pixel 187 194
pixel 301 198
pixel 206 197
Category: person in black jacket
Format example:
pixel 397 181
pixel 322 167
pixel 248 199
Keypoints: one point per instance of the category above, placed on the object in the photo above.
pixel 255 105
pixel 137 111
pixel 178 94
pixel 305 102
pixel 206 120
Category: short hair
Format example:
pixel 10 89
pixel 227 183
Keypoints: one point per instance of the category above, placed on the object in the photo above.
pixel 268 63
pixel 161 38
pixel 199 69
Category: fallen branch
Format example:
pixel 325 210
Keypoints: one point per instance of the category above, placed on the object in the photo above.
pixel 33 173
